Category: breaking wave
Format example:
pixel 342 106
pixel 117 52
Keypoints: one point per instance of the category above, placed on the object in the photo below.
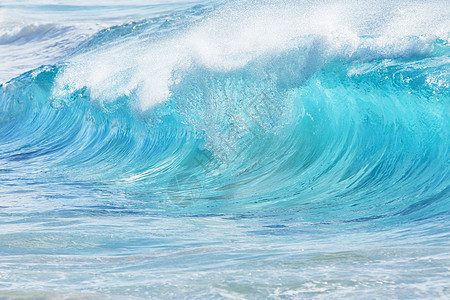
pixel 333 114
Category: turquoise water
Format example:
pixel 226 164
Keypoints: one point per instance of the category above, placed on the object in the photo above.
pixel 233 149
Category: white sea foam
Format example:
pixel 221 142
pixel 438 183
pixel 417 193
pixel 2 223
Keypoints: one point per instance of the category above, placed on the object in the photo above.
pixel 236 34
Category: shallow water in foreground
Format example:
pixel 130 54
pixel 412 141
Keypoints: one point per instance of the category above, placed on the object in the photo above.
pixel 236 149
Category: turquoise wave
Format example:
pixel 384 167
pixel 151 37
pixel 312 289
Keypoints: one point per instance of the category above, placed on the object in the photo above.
pixel 317 129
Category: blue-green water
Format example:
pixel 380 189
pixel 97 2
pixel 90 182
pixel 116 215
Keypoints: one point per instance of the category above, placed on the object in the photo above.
pixel 237 149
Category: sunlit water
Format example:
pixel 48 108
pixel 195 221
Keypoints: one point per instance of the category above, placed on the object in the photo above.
pixel 233 149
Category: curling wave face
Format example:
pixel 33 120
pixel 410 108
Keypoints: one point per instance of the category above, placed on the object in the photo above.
pixel 331 114
pixel 308 112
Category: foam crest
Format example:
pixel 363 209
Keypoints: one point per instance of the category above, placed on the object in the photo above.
pixel 147 66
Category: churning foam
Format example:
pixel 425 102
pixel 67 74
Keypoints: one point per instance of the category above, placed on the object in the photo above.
pixel 236 34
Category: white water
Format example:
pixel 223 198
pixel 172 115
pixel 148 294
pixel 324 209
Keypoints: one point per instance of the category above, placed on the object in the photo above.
pixel 236 35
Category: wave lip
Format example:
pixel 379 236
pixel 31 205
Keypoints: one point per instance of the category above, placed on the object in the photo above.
pixel 235 37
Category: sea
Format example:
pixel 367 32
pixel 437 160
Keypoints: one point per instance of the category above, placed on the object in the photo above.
pixel 224 149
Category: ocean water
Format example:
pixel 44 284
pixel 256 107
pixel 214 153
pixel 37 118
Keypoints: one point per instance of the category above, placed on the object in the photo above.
pixel 224 149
